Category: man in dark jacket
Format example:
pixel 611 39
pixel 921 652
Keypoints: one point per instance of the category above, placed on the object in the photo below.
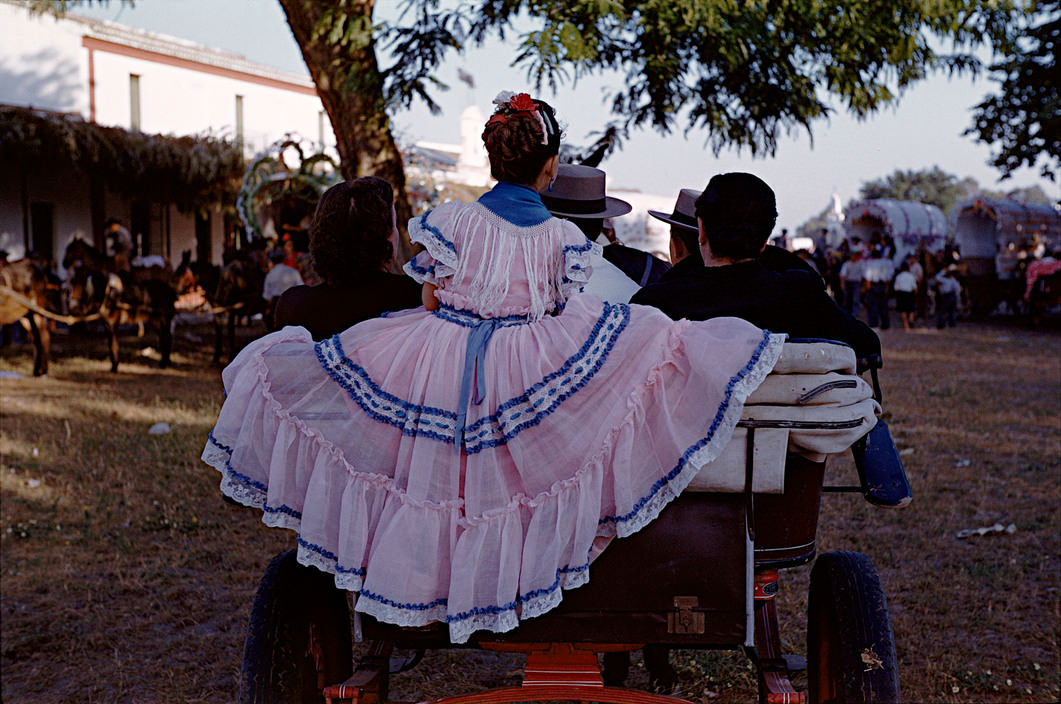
pixel 742 277
pixel 735 215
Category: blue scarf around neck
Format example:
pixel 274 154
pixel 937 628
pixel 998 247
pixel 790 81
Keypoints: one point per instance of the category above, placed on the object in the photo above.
pixel 520 205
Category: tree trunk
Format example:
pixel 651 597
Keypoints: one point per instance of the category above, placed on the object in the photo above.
pixel 350 87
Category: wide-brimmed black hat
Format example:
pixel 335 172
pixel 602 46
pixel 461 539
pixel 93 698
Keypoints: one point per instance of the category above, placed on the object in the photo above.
pixel 684 214
pixel 578 192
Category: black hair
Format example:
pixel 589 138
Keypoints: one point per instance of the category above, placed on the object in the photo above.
pixel 349 234
pixel 738 212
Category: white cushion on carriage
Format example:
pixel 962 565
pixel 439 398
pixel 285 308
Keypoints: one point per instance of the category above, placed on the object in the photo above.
pixel 815 358
pixel 831 388
pixel 813 389
pixel 726 473
pixel 820 430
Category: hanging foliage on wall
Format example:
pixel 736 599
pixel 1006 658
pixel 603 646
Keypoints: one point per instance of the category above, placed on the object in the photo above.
pixel 190 172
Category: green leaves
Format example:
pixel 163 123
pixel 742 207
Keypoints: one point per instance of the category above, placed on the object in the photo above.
pixel 417 48
pixel 934 186
pixel 745 70
pixel 1023 120
pixel 60 7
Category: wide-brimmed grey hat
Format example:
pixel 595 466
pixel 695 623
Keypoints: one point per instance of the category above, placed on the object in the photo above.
pixel 684 214
pixel 578 192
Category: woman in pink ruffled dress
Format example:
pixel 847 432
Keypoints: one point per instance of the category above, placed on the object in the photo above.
pixel 464 462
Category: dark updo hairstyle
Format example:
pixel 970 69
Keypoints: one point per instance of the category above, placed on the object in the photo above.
pixel 515 142
pixel 738 212
pixel 348 237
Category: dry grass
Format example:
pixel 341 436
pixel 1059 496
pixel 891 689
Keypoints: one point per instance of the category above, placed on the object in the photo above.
pixel 125 578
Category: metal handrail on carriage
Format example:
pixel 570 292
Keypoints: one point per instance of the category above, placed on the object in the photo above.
pixel 299 646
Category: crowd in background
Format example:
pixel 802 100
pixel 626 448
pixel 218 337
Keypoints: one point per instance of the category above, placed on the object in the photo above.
pixel 872 279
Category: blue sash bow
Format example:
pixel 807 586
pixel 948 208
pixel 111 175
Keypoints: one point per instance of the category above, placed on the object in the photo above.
pixel 482 329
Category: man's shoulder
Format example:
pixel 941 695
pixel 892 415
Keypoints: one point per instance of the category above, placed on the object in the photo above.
pixel 678 297
pixel 663 290
pixel 797 279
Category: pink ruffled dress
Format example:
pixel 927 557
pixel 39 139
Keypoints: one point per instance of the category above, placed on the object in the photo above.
pixel 463 465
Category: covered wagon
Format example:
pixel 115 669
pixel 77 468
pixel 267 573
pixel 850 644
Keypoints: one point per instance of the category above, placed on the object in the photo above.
pixel 996 237
pixel 907 222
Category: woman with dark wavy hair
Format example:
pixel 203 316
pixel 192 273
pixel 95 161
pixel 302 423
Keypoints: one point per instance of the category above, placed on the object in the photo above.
pixel 463 462
pixel 353 240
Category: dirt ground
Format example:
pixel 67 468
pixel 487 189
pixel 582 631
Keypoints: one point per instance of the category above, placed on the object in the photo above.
pixel 125 578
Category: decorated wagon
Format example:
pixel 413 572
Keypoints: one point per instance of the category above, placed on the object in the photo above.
pixel 992 234
pixel 910 223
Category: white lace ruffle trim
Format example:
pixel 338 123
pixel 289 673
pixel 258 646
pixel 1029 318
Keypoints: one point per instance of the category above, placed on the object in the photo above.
pixel 578 267
pixel 438 247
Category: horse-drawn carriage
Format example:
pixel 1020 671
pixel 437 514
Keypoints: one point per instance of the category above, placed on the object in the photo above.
pixel 95 292
pixel 703 575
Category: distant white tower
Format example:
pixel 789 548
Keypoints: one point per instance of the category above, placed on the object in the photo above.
pixel 473 164
pixel 834 222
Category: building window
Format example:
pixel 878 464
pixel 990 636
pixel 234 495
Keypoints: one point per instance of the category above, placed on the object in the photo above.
pixel 134 102
pixel 239 121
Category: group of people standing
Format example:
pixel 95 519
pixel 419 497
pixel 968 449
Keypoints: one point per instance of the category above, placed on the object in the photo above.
pixel 458 443
pixel 866 276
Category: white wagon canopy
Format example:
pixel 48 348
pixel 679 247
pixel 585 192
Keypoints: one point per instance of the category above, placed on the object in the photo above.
pixel 986 226
pixel 908 222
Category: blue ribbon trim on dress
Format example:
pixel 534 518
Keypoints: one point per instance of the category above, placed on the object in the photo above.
pixel 543 398
pixel 422 270
pixel 684 459
pixel 578 248
pixel 413 419
pixel 361 572
pixel 512 417
pixel 478 610
pixel 253 486
pixel 436 233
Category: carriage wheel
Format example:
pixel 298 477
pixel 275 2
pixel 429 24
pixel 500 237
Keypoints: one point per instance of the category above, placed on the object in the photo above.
pixel 850 646
pixel 298 638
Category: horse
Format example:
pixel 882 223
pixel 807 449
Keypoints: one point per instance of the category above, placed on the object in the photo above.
pixel 241 282
pixel 190 276
pixel 23 294
pixel 142 295
pixel 80 253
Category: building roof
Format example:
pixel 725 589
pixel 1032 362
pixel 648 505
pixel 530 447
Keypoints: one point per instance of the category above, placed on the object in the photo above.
pixel 106 33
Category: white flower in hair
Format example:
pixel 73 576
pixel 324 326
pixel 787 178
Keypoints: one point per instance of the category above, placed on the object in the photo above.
pixel 541 122
pixel 503 97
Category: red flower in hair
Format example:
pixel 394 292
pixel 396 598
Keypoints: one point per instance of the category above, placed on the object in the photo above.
pixel 523 102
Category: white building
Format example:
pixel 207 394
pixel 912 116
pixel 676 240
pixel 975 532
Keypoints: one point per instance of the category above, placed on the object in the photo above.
pixel 143 82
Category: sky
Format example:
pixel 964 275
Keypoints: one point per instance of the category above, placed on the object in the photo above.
pixel 923 131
